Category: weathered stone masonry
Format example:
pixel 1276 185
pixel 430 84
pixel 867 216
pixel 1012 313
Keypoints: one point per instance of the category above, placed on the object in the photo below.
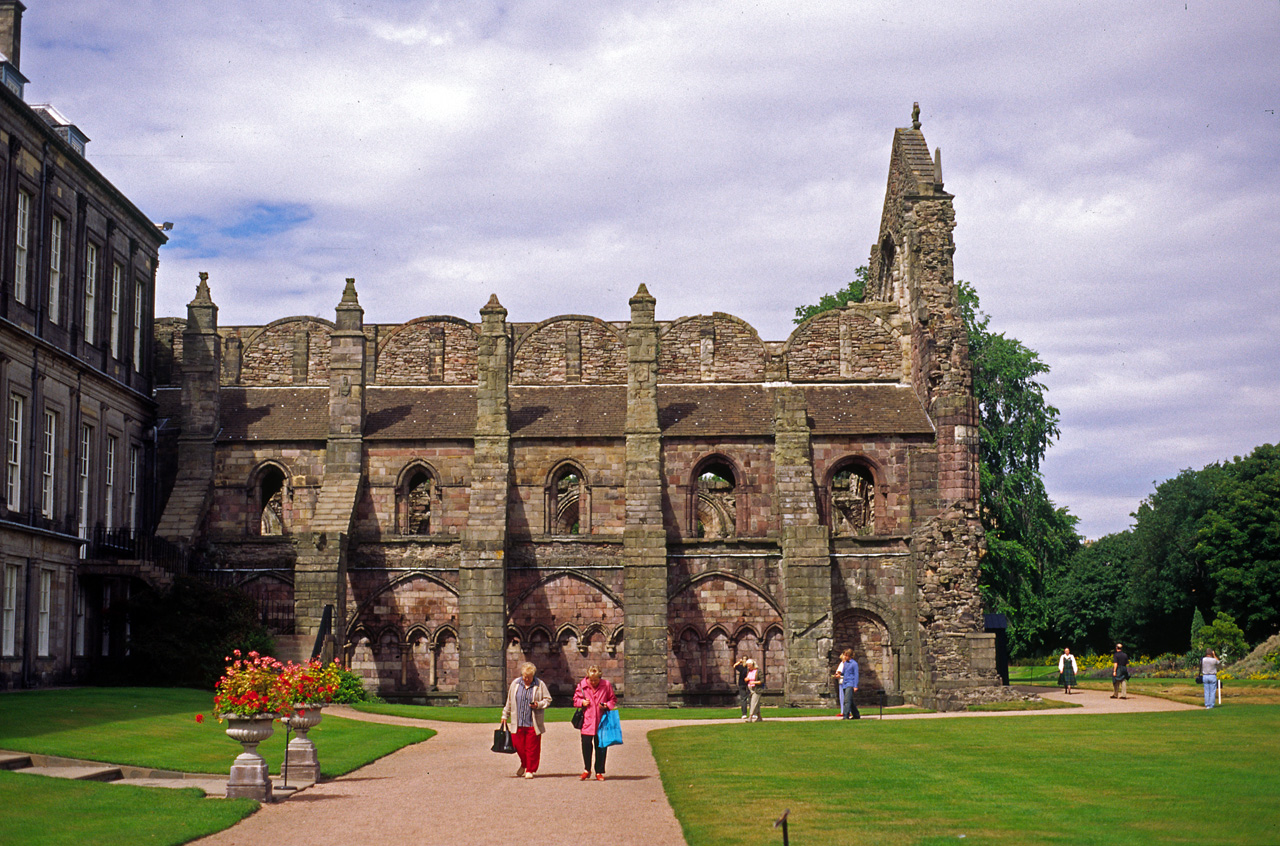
pixel 652 496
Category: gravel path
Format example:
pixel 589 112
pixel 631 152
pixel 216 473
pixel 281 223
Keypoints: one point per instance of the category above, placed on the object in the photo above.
pixel 452 790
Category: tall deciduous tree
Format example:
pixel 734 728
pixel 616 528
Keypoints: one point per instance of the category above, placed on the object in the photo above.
pixel 1028 539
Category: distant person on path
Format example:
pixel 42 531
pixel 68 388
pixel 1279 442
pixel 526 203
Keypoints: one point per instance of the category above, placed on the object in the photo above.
pixel 744 692
pixel 848 687
pixel 839 676
pixel 1067 669
pixel 753 684
pixel 527 698
pixel 1209 670
pixel 1120 673
pixel 595 696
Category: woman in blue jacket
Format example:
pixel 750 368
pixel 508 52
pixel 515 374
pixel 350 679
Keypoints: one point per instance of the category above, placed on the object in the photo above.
pixel 849 686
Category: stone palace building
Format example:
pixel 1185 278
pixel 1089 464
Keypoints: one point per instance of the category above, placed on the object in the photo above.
pixel 441 499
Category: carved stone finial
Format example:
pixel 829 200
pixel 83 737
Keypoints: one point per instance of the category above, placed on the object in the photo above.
pixel 349 292
pixel 202 289
pixel 493 309
pixel 915 115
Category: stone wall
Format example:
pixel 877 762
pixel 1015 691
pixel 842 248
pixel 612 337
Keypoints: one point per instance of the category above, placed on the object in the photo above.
pixel 663 576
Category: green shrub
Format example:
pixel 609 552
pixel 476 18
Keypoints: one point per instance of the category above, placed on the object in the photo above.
pixel 351 689
pixel 181 637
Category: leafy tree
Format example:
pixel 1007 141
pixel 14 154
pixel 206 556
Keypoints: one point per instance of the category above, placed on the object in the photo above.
pixel 1169 578
pixel 181 636
pixel 853 293
pixel 1224 637
pixel 1029 541
pixel 1238 540
pixel 1088 601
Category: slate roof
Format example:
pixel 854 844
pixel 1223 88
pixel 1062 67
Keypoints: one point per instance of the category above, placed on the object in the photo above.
pixel 568 411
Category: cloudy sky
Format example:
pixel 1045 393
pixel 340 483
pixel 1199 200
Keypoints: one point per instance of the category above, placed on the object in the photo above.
pixel 1116 170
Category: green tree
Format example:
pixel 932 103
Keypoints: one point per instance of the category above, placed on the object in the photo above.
pixel 1238 540
pixel 1029 541
pixel 182 635
pixel 1224 637
pixel 1088 599
pixel 853 293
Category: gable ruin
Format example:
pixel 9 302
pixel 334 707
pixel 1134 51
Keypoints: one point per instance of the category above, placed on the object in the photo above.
pixel 653 496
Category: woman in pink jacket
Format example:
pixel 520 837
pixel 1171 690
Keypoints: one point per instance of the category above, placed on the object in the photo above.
pixel 595 696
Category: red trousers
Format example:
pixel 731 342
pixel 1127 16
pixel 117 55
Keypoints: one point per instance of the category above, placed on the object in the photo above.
pixel 528 744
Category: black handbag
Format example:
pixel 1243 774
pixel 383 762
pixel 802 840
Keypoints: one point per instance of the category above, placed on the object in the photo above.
pixel 502 742
pixel 1199 678
pixel 578 716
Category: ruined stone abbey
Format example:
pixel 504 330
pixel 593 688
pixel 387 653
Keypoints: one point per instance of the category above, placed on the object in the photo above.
pixel 655 496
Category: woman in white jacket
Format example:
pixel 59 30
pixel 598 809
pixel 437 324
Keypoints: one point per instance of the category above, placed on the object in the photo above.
pixel 527 698
pixel 1067 670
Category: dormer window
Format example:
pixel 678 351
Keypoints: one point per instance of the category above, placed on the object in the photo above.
pixel 12 79
pixel 68 131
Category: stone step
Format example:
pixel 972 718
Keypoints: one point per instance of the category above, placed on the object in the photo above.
pixel 14 760
pixel 87 773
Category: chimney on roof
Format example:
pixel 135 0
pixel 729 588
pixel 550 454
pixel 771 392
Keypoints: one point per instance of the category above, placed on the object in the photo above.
pixel 11 31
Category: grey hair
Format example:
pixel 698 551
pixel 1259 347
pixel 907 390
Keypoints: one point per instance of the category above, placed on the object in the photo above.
pixel 527 665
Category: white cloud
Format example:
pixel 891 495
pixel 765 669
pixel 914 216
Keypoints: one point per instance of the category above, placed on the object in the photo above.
pixel 1115 171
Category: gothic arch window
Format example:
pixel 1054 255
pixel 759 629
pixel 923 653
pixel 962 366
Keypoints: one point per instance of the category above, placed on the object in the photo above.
pixel 715 499
pixel 568 501
pixel 851 495
pixel 269 493
pixel 418 501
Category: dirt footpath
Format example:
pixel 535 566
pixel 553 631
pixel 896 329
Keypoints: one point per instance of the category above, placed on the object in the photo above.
pixel 451 790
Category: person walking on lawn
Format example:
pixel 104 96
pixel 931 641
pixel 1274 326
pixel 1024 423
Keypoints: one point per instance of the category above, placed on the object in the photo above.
pixel 849 686
pixel 595 696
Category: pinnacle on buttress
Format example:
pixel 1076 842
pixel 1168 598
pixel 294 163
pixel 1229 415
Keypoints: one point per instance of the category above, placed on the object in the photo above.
pixel 493 307
pixel 915 115
pixel 349 293
pixel 202 290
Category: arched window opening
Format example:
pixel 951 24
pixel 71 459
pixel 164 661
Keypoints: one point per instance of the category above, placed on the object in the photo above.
pixel 568 502
pixel 419 491
pixel 418 502
pixel 271 502
pixel 716 511
pixel 568 496
pixel 852 502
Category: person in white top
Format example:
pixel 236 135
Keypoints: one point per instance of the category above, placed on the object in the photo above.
pixel 1067 670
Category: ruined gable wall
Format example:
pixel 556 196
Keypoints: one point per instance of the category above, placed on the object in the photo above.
pixel 429 350
pixel 715 348
pixel 570 349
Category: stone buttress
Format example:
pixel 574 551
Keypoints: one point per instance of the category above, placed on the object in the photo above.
pixel 201 418
pixel 644 543
pixel 482 573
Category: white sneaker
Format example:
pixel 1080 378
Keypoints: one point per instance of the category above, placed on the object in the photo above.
pixel 528 775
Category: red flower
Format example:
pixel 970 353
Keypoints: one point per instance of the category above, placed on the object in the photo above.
pixel 199 718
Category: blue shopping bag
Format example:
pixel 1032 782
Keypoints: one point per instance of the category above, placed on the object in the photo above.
pixel 609 732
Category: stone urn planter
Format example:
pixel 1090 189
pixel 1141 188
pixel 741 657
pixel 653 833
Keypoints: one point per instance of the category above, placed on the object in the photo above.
pixel 300 756
pixel 250 777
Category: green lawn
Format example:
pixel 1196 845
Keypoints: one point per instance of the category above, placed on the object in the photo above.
pixel 156 727
pixel 463 714
pixel 41 811
pixel 1183 777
